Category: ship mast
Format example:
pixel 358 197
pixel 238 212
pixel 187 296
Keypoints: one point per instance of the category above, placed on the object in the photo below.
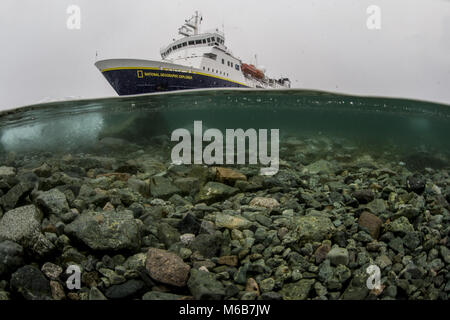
pixel 191 26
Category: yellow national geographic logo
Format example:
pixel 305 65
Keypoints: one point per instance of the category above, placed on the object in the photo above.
pixel 167 75
pixel 141 74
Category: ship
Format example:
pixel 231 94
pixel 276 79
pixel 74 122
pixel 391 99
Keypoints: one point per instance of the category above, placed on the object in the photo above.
pixel 194 61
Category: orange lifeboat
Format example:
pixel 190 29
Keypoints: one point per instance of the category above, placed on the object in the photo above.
pixel 252 70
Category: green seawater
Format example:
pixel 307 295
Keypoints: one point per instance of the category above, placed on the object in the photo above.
pixel 362 182
pixel 375 124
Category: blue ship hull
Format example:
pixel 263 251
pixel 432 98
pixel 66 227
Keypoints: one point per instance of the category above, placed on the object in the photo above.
pixel 130 81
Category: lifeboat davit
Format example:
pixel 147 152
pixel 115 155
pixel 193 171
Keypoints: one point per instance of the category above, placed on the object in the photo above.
pixel 252 70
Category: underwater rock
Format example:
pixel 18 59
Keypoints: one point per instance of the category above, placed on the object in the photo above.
pixel 142 187
pixel 215 191
pixel 400 226
pixel 51 270
pixel 22 225
pixel 17 193
pixel 421 160
pixel 231 261
pixel 167 267
pixel 370 222
pixel 125 290
pixel 204 286
pixel 96 294
pixel 158 295
pixel 188 185
pixel 11 257
pixel 415 183
pixel 29 282
pixel 313 227
pixel 189 224
pixel 6 172
pixel 321 166
pixel 168 234
pixel 321 252
pixel 106 230
pixel 53 202
pixel 231 222
pixel 357 289
pixel 228 175
pixel 57 290
pixel 376 206
pixel 268 203
pixel 364 196
pixel 338 256
pixel 297 291
pixel 208 245
pixel 161 187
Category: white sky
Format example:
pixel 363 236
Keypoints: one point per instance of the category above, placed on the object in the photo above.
pixel 318 44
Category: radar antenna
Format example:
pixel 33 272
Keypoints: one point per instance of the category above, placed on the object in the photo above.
pixel 191 26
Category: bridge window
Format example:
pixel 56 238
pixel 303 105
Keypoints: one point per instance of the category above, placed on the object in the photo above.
pixel 223 61
pixel 191 43
pixel 209 40
pixel 204 40
pixel 198 41
pixel 210 55
pixel 184 44
pixel 174 48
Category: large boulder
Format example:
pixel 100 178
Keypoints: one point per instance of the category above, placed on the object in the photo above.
pixel 108 230
pixel 22 225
